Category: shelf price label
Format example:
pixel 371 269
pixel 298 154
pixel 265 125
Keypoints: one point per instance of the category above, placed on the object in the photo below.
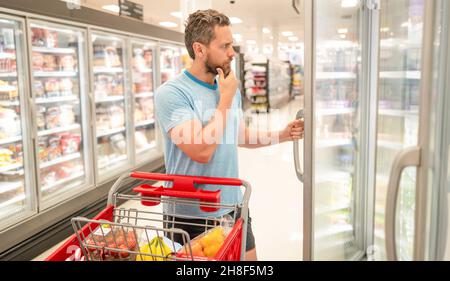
pixel 131 9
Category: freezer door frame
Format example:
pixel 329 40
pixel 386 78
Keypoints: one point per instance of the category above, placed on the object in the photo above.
pixel 84 110
pixel 156 151
pixel 127 100
pixel 29 167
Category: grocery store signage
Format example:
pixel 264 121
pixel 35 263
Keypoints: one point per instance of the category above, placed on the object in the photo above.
pixel 131 9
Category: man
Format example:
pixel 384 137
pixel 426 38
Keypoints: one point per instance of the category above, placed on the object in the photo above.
pixel 201 117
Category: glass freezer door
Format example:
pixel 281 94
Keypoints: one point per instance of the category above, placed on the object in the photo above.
pixel 170 62
pixel 58 63
pixel 16 195
pixel 401 23
pixel 143 88
pixel 110 104
pixel 331 228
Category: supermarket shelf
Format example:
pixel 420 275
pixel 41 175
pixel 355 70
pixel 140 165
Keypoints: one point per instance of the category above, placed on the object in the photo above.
pixel 8 74
pixel 109 99
pixel 10 167
pixel 331 177
pixel 10 140
pixel 7 56
pixel 335 229
pixel 333 143
pixel 147 147
pixel 101 69
pixel 145 123
pixel 9 103
pixel 415 75
pixel 62 181
pixel 54 50
pixel 60 160
pixel 390 144
pixel 331 209
pixel 113 161
pixel 110 132
pixel 56 99
pixel 398 113
pixel 55 73
pixel 144 95
pixel 335 75
pixel 8 186
pixel 59 130
pixel 334 111
pixel 12 201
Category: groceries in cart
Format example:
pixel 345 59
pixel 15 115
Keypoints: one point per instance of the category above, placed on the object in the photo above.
pixel 112 243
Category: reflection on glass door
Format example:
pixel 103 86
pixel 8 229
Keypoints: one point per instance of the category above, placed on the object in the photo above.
pixel 58 56
pixel 15 196
pixel 110 101
pixel 142 81
pixel 336 93
pixel 401 26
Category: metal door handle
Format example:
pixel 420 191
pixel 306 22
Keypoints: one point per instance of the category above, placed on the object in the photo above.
pixel 298 169
pixel 406 158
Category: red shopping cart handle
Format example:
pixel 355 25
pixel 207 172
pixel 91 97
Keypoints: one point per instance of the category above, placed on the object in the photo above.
pixel 183 187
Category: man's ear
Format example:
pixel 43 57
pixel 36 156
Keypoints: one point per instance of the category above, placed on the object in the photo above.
pixel 198 50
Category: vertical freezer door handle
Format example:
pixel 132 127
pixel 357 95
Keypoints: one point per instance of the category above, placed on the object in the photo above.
pixel 406 158
pixel 298 169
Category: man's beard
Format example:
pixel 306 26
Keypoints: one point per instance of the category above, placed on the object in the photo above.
pixel 226 68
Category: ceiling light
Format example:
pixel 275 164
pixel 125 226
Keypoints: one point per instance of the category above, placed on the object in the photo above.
pixel 349 3
pixel 112 8
pixel 293 38
pixel 266 30
pixel 168 24
pixel 250 42
pixel 235 20
pixel 176 14
pixel 406 24
pixel 237 35
pixel 384 29
pixel 343 36
pixel 287 33
pixel 271 37
pixel 342 30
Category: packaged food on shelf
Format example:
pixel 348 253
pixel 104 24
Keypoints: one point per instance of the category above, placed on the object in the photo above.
pixel 43 149
pixel 38 61
pixel 9 123
pixel 66 87
pixel 52 87
pixel 10 194
pixel 50 63
pixel 145 83
pixel 106 56
pixel 67 63
pixel 52 117
pixel 48 177
pixel 40 117
pixel 67 115
pixel 116 116
pixel 146 105
pixel 119 143
pixel 148 57
pixel 44 38
pixel 140 139
pixel 102 119
pixel 6 157
pixel 139 63
pixel 138 114
pixel 39 88
pixel 54 147
pixel 8 91
pixel 70 143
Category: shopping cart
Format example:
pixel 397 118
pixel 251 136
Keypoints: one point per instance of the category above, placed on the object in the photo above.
pixel 130 234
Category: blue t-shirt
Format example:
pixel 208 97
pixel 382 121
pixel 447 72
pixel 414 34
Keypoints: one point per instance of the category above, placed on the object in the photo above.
pixel 185 98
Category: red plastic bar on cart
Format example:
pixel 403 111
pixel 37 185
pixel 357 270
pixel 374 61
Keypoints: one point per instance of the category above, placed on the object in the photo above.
pixel 183 187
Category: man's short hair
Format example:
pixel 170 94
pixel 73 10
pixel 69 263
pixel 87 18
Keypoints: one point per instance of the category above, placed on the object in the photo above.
pixel 200 28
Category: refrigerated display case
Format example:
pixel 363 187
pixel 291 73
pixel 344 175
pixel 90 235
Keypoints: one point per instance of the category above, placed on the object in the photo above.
pixel 17 192
pixel 143 88
pixel 59 90
pixel 112 127
pixel 171 62
pixel 398 113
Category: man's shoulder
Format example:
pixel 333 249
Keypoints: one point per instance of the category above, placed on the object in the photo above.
pixel 172 88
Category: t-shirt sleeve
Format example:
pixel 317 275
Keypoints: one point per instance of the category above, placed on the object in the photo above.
pixel 172 108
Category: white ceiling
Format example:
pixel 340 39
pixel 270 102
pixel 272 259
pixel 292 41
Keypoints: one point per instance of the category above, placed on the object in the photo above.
pixel 255 15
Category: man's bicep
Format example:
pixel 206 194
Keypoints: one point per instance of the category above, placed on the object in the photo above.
pixel 186 133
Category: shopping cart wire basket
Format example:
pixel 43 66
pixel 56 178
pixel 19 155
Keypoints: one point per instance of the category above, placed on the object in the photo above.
pixel 148 234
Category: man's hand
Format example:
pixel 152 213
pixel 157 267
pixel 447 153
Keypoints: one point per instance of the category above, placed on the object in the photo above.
pixel 293 131
pixel 227 86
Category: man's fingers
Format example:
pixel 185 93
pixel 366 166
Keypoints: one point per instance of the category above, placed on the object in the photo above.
pixel 220 71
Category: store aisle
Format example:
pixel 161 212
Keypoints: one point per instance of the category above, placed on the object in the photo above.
pixel 276 200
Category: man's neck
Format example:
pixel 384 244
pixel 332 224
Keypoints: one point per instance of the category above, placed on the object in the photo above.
pixel 200 73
